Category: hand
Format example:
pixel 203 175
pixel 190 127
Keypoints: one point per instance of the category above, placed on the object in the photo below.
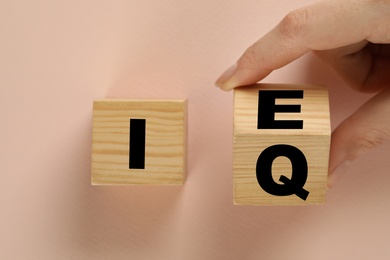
pixel 353 37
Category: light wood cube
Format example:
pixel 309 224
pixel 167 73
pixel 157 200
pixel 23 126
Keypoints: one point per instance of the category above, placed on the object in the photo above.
pixel 279 129
pixel 139 142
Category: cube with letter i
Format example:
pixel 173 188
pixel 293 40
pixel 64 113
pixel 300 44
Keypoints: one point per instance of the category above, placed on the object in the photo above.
pixel 139 142
pixel 281 144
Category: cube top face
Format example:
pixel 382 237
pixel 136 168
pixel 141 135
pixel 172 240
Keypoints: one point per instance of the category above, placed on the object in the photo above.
pixel 282 166
pixel 314 109
pixel 151 134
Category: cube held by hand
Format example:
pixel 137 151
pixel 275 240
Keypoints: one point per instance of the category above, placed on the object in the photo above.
pixel 281 144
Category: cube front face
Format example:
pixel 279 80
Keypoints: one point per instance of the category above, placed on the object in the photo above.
pixel 139 142
pixel 263 156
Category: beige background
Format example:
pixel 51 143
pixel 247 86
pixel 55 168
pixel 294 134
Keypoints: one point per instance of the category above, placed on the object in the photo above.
pixel 56 57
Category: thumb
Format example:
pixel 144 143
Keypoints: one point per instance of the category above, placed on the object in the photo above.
pixel 367 128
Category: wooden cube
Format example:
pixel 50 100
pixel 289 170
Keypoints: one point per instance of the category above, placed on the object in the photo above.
pixel 281 144
pixel 139 142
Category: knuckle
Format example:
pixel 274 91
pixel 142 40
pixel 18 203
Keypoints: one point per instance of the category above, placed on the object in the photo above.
pixel 378 27
pixel 250 59
pixel 379 33
pixel 295 24
pixel 367 140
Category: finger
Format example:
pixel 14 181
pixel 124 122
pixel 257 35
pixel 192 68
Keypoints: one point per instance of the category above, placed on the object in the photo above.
pixel 322 26
pixel 364 66
pixel 366 129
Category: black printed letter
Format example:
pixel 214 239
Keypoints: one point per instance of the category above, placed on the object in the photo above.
pixel 267 109
pixel 289 186
pixel 137 144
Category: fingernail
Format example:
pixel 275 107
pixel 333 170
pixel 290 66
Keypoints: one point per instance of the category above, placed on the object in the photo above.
pixel 337 172
pixel 224 81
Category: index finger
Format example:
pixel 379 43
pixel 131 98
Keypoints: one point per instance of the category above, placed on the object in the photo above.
pixel 322 26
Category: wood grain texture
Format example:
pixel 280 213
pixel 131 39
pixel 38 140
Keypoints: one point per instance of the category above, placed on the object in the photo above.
pixel 165 141
pixel 249 142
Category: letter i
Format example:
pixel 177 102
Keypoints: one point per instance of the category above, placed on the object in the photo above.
pixel 137 144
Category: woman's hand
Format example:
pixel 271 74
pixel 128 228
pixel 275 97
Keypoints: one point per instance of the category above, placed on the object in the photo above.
pixel 353 37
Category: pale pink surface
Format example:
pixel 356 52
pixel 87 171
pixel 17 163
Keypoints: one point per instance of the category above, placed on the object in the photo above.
pixel 58 56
